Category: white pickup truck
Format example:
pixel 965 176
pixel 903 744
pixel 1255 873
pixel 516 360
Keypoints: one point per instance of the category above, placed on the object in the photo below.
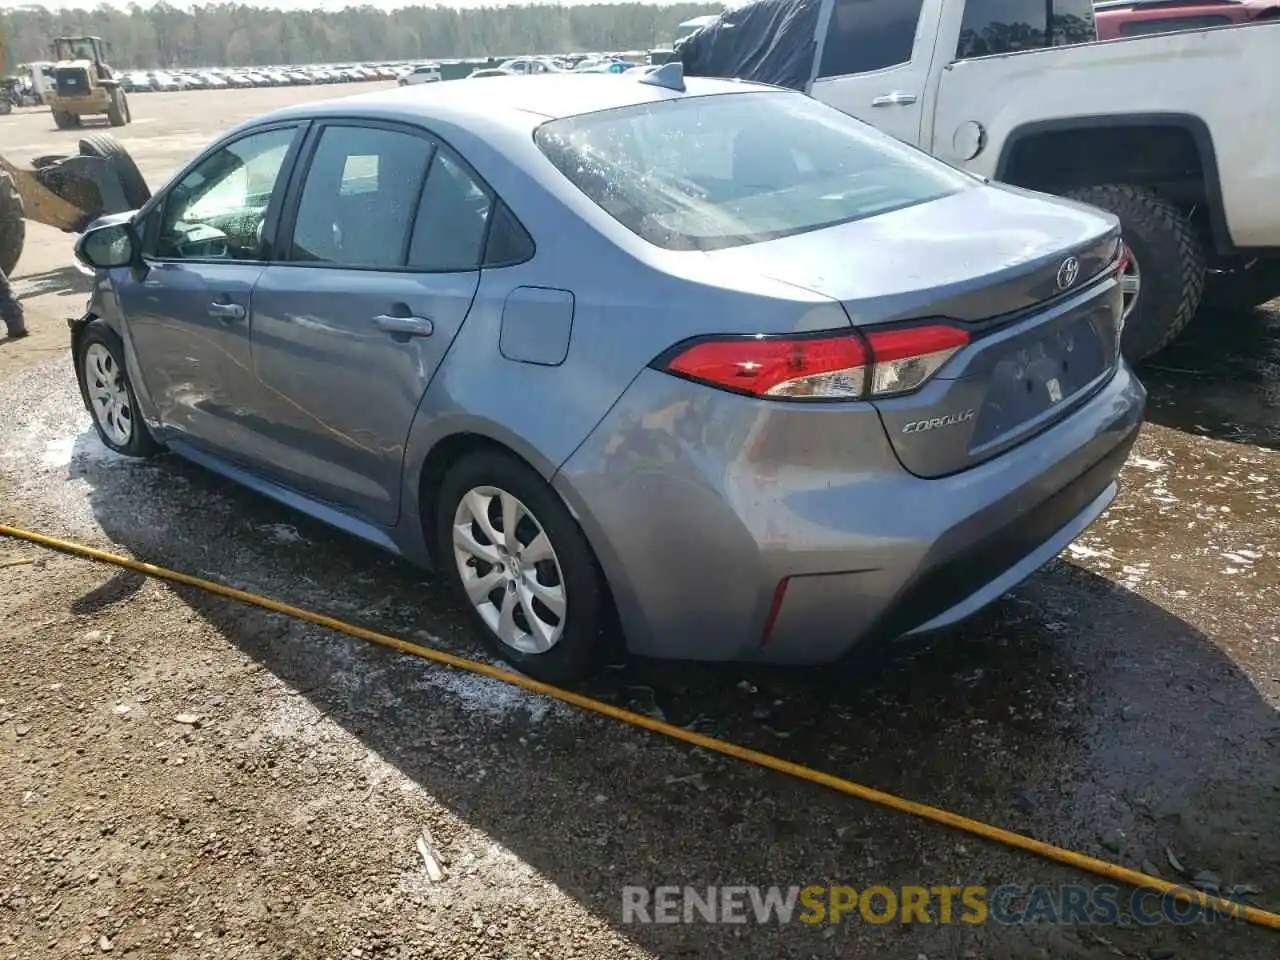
pixel 1178 134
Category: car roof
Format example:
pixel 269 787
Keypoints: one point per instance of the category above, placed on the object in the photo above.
pixel 516 101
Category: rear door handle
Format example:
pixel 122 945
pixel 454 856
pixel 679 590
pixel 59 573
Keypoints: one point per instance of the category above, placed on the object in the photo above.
pixel 226 311
pixel 894 100
pixel 404 326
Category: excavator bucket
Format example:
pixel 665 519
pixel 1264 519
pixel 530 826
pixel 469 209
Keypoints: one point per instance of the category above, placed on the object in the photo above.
pixel 68 193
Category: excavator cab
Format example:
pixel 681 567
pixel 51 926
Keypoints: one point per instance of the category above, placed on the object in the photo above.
pixel 79 48
pixel 84 84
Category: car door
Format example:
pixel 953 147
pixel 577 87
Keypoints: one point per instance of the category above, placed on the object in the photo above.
pixel 188 309
pixel 873 62
pixel 387 232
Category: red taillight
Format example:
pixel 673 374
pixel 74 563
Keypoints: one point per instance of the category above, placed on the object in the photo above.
pixel 825 368
pixel 908 356
pixel 846 366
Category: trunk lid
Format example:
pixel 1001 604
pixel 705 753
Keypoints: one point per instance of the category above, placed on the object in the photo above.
pixel 1023 274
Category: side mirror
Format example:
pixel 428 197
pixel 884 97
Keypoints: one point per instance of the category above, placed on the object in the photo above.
pixel 108 246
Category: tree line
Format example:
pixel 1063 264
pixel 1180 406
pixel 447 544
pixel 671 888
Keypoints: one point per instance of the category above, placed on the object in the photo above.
pixel 235 35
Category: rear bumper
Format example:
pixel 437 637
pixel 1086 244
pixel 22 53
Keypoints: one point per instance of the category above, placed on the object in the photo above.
pixel 698 519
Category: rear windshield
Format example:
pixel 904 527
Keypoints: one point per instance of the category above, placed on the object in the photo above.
pixel 703 173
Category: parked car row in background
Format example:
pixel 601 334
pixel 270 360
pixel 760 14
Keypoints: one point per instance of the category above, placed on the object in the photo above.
pixel 405 74
pixel 217 78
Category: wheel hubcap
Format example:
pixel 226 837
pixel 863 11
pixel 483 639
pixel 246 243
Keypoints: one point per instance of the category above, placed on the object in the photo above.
pixel 1130 285
pixel 108 394
pixel 509 569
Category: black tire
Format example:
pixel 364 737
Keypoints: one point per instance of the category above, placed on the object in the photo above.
pixel 6 106
pixel 1170 260
pixel 115 112
pixel 579 649
pixel 65 121
pixel 134 184
pixel 13 228
pixel 1243 289
pixel 139 443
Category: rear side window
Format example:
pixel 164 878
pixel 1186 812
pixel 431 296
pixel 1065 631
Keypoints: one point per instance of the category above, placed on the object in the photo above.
pixel 867 35
pixel 360 197
pixel 702 173
pixel 993 27
pixel 508 241
pixel 449 232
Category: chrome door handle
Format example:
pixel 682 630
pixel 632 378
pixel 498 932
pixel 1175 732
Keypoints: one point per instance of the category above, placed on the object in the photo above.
pixel 894 100
pixel 404 326
pixel 226 311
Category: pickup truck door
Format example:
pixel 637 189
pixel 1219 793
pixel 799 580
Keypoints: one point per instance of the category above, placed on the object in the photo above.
pixel 873 61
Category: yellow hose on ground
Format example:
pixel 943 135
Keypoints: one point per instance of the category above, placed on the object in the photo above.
pixel 1071 858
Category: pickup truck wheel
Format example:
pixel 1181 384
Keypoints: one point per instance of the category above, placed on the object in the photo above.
pixel 1244 288
pixel 13 228
pixel 1167 256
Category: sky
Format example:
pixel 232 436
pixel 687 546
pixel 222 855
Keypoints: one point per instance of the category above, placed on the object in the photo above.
pixel 305 4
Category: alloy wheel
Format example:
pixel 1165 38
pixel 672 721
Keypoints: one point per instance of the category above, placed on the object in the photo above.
pixel 509 569
pixel 108 394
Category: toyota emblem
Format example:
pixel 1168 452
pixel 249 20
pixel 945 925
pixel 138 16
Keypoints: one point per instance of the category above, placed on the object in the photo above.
pixel 1068 273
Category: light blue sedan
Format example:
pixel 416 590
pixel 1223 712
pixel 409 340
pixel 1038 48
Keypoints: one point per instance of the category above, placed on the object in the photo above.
pixel 709 361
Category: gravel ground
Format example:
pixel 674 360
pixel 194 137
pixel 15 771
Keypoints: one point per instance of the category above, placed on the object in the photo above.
pixel 182 776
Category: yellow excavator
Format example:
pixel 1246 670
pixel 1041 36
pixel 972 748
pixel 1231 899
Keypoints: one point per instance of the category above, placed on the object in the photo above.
pixel 66 192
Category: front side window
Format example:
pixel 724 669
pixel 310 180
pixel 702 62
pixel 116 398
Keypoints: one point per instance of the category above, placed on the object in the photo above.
pixel 219 208
pixel 360 197
pixel 702 173
pixel 868 35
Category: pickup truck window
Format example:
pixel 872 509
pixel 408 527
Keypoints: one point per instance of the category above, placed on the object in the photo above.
pixel 704 173
pixel 993 27
pixel 867 35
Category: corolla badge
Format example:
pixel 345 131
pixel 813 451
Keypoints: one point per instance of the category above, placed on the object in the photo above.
pixel 934 423
pixel 1068 273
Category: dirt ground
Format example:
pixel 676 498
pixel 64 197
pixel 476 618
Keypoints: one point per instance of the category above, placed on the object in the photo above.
pixel 185 777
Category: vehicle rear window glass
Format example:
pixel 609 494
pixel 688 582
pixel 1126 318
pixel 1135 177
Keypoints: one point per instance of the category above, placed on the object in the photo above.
pixel 703 173
pixel 867 35
pixel 991 27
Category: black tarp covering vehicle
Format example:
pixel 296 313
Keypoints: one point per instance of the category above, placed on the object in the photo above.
pixel 768 41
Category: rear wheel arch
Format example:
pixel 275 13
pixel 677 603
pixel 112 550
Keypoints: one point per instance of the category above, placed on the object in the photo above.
pixel 1170 154
pixel 449 450
pixel 457 448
